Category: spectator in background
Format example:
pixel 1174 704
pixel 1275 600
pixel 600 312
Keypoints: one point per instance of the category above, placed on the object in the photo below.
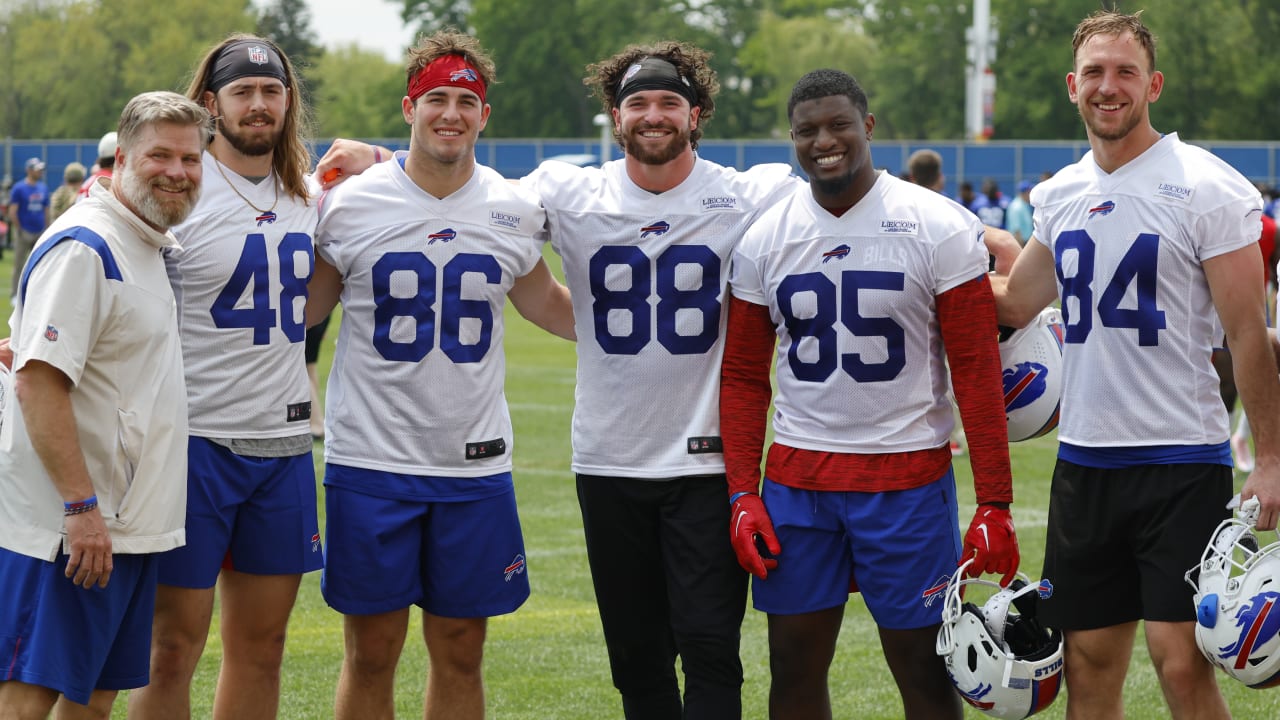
pixel 1270 199
pixel 65 196
pixel 968 198
pixel 28 214
pixel 5 242
pixel 992 211
pixel 1017 217
pixel 924 168
pixel 104 165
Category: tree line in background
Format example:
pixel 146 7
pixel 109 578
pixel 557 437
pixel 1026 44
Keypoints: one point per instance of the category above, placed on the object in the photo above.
pixel 68 66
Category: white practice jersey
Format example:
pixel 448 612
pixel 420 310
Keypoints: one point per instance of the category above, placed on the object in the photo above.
pixel 1128 248
pixel 417 379
pixel 241 283
pixel 647 273
pixel 860 362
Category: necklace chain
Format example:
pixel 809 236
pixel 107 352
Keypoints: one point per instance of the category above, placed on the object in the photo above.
pixel 260 211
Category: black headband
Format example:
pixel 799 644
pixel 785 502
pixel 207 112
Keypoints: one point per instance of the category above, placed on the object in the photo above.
pixel 654 73
pixel 246 58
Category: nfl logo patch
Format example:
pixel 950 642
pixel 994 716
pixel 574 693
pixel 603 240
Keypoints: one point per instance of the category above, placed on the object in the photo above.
pixel 51 333
pixel 257 55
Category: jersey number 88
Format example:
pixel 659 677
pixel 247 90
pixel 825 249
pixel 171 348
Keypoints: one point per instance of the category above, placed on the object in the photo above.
pixel 634 300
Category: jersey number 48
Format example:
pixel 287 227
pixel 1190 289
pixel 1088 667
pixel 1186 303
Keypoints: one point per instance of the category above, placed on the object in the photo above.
pixel 254 269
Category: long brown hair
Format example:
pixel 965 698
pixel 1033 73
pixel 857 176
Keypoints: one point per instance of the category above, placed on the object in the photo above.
pixel 291 160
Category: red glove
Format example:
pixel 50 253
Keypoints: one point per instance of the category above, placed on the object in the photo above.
pixel 991 543
pixel 749 520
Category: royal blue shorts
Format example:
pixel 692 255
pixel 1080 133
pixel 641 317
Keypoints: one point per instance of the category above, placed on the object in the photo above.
pixel 251 514
pixel 902 546
pixel 74 640
pixel 461 559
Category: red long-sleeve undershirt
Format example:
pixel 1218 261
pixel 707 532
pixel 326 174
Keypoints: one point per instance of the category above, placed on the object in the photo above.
pixel 966 317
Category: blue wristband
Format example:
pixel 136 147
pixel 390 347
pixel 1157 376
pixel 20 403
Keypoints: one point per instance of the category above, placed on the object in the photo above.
pixel 734 497
pixel 80 506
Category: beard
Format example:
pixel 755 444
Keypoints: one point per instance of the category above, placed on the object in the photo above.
pixel 833 186
pixel 636 147
pixel 160 213
pixel 251 145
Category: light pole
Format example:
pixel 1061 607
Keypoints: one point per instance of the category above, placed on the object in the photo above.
pixel 980 52
pixel 605 123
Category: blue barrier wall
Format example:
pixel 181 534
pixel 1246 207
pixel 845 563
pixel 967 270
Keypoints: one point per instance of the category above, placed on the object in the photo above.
pixel 1007 162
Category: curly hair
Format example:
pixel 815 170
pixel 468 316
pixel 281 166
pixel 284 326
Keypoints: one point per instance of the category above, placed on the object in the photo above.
pixel 291 158
pixel 450 42
pixel 1107 22
pixel 605 76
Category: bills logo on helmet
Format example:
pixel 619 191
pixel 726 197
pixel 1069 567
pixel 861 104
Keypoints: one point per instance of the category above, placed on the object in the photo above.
pixel 258 55
pixel 659 228
pixel 1024 384
pixel 267 217
pixel 463 75
pixel 1044 589
pixel 515 567
pixel 1259 622
pixel 443 236
pixel 975 696
pixel 1031 373
pixel 937 590
pixel 1103 209
pixel 838 252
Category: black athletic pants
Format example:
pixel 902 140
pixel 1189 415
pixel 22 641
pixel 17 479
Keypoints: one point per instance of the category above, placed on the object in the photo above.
pixel 667 583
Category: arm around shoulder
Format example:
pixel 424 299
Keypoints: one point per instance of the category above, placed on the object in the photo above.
pixel 348 157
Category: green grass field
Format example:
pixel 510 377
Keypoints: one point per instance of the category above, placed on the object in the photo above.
pixel 547 661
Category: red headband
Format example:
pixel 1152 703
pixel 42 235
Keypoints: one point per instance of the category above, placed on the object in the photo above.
pixel 451 70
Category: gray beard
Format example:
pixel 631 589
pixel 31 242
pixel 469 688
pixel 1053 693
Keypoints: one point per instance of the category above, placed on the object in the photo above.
pixel 138 192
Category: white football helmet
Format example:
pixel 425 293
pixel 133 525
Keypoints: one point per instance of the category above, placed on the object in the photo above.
pixel 1004 663
pixel 1238 601
pixel 1031 360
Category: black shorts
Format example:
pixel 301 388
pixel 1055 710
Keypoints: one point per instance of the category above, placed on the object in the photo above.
pixel 1121 540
